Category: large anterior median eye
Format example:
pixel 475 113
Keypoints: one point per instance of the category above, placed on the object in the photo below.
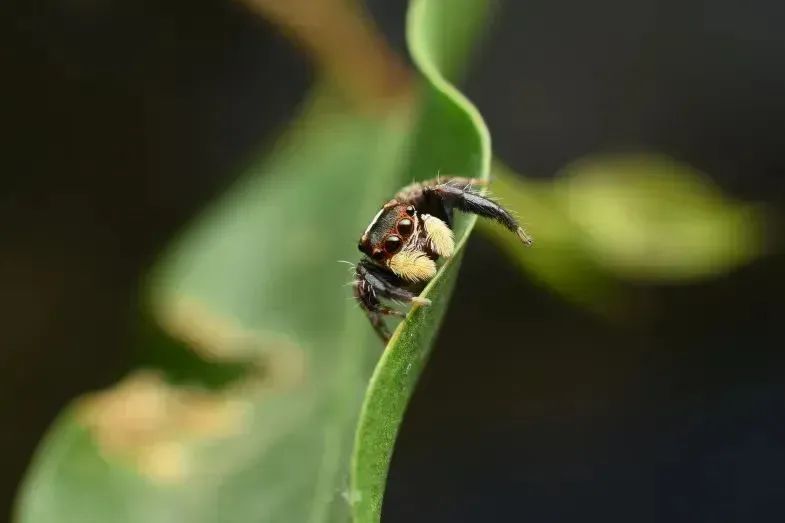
pixel 405 227
pixel 392 244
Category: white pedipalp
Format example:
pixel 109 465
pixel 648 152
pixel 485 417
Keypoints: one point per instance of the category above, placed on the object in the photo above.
pixel 439 235
pixel 412 265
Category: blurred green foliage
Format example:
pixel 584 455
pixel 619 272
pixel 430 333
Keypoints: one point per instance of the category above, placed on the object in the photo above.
pixel 608 219
pixel 652 218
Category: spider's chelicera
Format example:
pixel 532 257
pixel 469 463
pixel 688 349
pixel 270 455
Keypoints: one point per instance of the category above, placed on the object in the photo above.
pixel 407 236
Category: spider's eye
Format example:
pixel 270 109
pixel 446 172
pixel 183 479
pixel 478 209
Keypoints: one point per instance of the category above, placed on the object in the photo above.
pixel 378 255
pixel 410 210
pixel 405 227
pixel 392 244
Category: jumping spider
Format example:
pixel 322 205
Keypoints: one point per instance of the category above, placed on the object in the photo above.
pixel 408 235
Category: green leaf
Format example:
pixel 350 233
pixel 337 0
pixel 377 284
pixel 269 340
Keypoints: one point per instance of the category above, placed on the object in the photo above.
pixel 648 217
pixel 256 280
pixel 609 219
pixel 435 29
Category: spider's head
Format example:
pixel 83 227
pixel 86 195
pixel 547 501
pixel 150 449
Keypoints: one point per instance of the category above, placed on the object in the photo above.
pixel 390 230
pixel 390 241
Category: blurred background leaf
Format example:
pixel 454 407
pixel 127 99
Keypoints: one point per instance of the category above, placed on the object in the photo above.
pixel 653 218
pixel 257 277
pixel 605 219
pixel 256 280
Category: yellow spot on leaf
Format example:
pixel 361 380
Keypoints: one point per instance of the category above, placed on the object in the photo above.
pixel 155 427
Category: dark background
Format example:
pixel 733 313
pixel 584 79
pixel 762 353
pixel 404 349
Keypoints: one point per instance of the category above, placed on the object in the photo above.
pixel 123 117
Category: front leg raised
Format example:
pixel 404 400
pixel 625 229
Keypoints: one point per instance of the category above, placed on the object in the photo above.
pixel 466 200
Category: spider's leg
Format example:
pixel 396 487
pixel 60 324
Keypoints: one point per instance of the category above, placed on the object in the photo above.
pixel 372 307
pixel 466 200
pixel 416 191
pixel 385 284
pixel 372 283
pixel 457 181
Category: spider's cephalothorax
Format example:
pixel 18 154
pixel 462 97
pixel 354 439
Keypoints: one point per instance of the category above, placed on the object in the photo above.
pixel 408 235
